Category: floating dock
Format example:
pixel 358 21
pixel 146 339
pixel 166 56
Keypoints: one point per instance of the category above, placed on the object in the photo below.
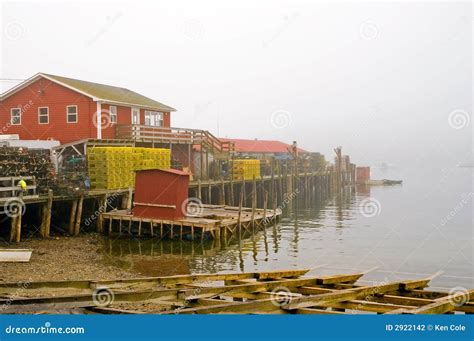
pixel 274 292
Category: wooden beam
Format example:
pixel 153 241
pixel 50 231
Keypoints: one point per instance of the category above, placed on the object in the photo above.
pixel 353 294
pixel 441 305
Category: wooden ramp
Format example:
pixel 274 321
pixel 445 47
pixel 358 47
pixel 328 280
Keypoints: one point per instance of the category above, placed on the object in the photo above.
pixel 273 292
pixel 212 222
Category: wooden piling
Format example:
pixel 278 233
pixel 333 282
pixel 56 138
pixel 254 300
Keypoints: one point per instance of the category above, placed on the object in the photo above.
pixel 239 217
pixel 199 190
pixel 209 193
pixel 13 228
pixel 254 203
pixel 77 227
pixel 72 217
pixel 222 198
pixel 129 198
pixel 47 227
pixel 231 191
pixel 242 191
pixel 102 209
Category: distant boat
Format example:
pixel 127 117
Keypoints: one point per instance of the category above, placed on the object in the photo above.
pixel 15 255
pixel 383 182
pixel 466 165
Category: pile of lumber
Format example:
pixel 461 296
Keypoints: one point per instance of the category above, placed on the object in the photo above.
pixel 273 292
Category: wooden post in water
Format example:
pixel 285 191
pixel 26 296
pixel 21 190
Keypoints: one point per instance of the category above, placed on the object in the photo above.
pixel 265 202
pixel 254 203
pixel 280 184
pixel 272 180
pixel 274 213
pixel 72 217
pixel 239 217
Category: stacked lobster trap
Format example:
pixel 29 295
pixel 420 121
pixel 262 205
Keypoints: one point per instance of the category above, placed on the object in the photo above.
pixel 114 167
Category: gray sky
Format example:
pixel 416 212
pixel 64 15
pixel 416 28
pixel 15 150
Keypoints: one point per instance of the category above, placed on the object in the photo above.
pixel 388 82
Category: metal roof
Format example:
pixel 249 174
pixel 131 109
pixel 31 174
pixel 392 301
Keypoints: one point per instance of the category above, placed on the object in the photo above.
pixel 260 146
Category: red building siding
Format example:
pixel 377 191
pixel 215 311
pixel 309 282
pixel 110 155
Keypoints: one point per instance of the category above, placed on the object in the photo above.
pixel 124 116
pixel 45 93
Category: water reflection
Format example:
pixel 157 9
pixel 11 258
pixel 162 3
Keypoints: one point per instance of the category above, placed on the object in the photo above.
pixel 334 233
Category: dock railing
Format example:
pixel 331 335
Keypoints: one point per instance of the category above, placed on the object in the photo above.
pixel 173 135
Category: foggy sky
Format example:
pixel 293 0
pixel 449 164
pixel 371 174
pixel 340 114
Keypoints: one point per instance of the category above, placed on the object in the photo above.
pixel 388 82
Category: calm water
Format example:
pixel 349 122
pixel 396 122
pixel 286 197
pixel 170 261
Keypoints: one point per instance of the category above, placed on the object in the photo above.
pixel 408 231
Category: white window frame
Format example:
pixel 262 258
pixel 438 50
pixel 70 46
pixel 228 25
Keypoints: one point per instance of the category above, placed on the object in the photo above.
pixel 113 113
pixel 154 117
pixel 39 115
pixel 135 110
pixel 67 114
pixel 11 117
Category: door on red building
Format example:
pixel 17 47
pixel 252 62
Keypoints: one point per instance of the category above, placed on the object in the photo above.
pixel 135 116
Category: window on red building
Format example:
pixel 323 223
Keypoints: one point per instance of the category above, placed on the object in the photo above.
pixel 113 114
pixel 43 115
pixel 72 114
pixel 15 118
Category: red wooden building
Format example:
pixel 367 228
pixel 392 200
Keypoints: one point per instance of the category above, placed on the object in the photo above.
pixel 58 108
pixel 160 193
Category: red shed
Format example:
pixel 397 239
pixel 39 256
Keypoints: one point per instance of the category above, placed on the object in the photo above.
pixel 362 174
pixel 160 193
